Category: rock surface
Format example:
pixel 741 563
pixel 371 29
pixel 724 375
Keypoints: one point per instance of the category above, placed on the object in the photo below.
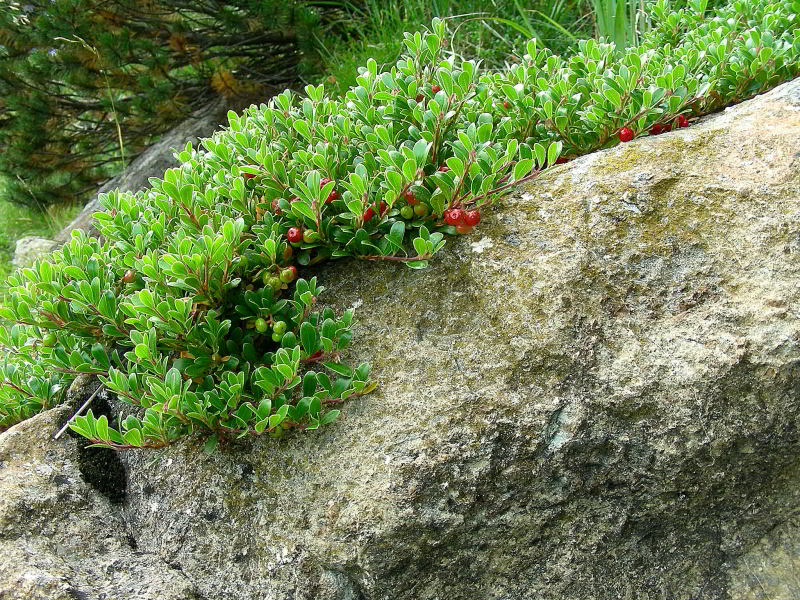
pixel 594 396
pixel 29 248
pixel 60 538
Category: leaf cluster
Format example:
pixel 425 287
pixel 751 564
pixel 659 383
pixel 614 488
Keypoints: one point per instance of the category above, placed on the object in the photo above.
pixel 189 309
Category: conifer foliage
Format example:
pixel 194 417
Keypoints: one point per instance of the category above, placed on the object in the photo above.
pixel 85 85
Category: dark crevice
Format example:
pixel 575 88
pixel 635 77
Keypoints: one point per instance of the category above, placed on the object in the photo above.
pixel 101 468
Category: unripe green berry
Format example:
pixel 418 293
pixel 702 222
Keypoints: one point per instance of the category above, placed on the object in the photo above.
pixel 276 337
pixel 275 283
pixel 261 325
pixel 49 340
pixel 289 274
pixel 407 212
pixel 279 327
pixel 421 210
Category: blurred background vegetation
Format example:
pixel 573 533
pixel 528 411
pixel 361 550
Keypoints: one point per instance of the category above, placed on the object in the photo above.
pixel 87 85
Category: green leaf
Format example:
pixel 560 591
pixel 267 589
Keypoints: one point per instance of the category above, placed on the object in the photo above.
pixel 308 337
pixel 309 383
pixel 410 169
pixel 417 264
pixel 541 155
pixel 302 128
pixel 329 417
pixel 99 354
pixel 613 96
pixel 397 233
pixel 395 180
pixel 456 166
pixel 74 272
pixel 421 151
pixel 133 437
pixel 211 444
pixel 301 209
pixel 522 168
pixel 339 368
pixel 552 152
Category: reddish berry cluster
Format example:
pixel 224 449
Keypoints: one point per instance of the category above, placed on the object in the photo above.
pixel 681 121
pixel 370 212
pixel 464 220
pixel 334 195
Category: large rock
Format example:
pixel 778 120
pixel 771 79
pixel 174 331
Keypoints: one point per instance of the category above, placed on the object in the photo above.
pixel 594 396
pixel 29 248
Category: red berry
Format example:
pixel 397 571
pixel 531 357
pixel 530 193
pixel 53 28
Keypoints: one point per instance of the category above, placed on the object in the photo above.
pixel 462 229
pixel 411 199
pixel 506 105
pixel 420 97
pixel 625 134
pixel 325 181
pixel 316 355
pixel 129 276
pixel 667 127
pixel 561 160
pixel 248 175
pixel 384 207
pixel 334 195
pixel 683 121
pixel 444 169
pixel 276 207
pixel 655 129
pixel 472 218
pixel 436 89
pixel 368 214
pixel 294 235
pixel 454 216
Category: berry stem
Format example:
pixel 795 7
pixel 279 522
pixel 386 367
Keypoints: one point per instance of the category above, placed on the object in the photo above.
pixel 393 258
pixel 502 188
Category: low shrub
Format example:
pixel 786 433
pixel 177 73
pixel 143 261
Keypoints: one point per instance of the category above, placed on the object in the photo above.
pixel 190 310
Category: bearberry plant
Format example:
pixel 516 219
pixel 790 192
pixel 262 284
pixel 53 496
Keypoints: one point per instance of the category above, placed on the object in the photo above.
pixel 189 307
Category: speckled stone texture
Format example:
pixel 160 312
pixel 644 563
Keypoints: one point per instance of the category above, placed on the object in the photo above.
pixel 61 538
pixel 593 396
pixel 29 248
